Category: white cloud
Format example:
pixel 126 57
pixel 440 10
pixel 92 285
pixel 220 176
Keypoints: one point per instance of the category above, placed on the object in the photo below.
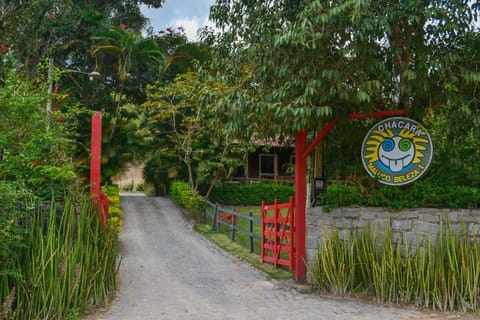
pixel 190 25
pixel 192 15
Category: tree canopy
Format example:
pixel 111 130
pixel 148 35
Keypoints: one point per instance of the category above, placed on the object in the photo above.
pixel 295 63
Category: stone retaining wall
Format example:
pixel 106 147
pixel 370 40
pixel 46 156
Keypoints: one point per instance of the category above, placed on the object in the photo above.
pixel 410 227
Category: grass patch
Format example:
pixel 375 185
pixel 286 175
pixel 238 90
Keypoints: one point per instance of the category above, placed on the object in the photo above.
pixel 241 238
pixel 223 241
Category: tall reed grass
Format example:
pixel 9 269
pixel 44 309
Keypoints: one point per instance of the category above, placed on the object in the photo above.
pixel 68 267
pixel 443 275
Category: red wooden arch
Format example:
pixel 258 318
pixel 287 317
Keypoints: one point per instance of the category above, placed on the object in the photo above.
pixel 302 151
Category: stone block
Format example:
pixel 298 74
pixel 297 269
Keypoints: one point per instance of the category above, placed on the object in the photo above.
pixel 312 243
pixel 406 215
pixel 402 225
pixel 430 217
pixel 351 213
pixel 336 213
pixel 311 253
pixel 397 237
pixel 380 225
pixel 368 215
pixel 344 234
pixel 360 224
pixel 426 227
pixel 326 221
pixel 407 249
pixel 453 216
pixel 413 238
pixel 473 230
pixel 344 224
pixel 383 215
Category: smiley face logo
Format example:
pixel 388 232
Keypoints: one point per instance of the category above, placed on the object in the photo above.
pixel 397 151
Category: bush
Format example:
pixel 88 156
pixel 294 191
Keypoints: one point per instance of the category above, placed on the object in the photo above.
pixel 35 150
pixel 13 237
pixel 251 194
pixel 67 265
pixel 160 171
pixel 444 275
pixel 183 195
pixel 114 212
pixel 420 194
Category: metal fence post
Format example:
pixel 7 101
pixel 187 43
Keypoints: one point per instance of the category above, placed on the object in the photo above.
pixel 250 229
pixel 215 214
pixel 232 224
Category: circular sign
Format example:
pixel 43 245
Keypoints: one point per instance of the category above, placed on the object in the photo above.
pixel 397 151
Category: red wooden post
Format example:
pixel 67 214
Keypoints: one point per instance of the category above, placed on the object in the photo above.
pixel 264 216
pixel 96 153
pixel 300 204
pixel 95 167
pixel 291 211
pixel 277 242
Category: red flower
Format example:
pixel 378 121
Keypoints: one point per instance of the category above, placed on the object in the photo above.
pixel 36 163
pixel 5 48
pixel 122 26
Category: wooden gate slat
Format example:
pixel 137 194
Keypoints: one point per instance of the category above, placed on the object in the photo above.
pixel 278 234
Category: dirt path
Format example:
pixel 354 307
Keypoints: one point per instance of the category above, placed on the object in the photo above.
pixel 170 272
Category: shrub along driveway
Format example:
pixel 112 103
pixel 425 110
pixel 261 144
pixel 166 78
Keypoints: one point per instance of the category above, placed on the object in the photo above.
pixel 170 272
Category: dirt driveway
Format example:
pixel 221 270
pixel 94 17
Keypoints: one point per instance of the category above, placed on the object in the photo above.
pixel 170 272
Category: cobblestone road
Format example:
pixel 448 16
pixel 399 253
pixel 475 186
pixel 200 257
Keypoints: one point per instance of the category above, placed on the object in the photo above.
pixel 170 272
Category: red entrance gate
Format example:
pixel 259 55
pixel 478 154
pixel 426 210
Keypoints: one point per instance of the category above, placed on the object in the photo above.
pixel 278 234
pixel 302 150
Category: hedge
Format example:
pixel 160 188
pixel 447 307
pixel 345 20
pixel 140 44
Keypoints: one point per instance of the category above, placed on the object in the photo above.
pixel 419 195
pixel 251 193
pixel 183 195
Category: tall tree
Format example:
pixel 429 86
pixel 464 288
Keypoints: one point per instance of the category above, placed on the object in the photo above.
pixel 296 63
pixel 181 122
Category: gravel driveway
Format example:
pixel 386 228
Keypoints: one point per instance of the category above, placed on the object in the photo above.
pixel 170 272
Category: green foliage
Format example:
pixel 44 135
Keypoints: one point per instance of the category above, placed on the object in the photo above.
pixel 160 171
pixel 457 151
pixel 183 195
pixel 419 195
pixel 34 151
pixel 13 203
pixel 180 118
pixel 444 275
pixel 344 54
pixel 67 264
pixel 115 221
pixel 251 194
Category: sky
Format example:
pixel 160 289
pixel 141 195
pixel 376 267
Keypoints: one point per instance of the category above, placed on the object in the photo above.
pixel 189 14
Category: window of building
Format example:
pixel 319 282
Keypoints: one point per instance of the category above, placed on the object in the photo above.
pixel 266 165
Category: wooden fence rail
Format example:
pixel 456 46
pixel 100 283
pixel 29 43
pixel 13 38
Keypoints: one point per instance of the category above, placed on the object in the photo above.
pixel 229 218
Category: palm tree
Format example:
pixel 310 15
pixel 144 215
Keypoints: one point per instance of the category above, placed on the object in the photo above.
pixel 123 49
